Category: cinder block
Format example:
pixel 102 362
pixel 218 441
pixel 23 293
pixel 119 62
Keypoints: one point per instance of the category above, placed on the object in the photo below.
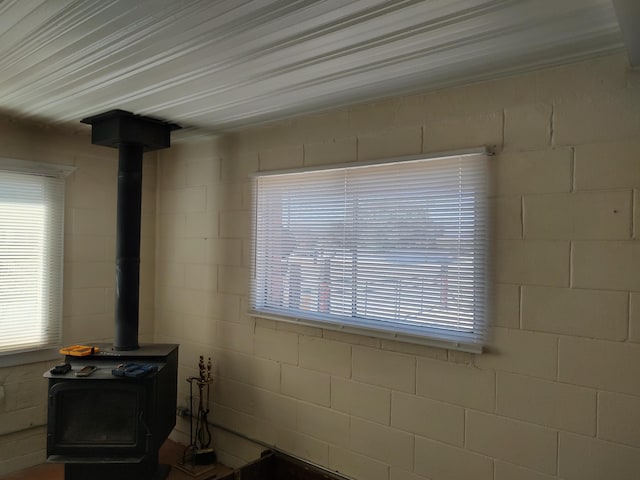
pixel 551 404
pixel 233 420
pixel 428 418
pixel 385 369
pixel 306 385
pixel 200 225
pixel 89 274
pixel 235 224
pixel 606 265
pixel 221 251
pixel 237 168
pixel 190 199
pixel 414 349
pixel 325 356
pixel 619 418
pixel 586 458
pixel 182 250
pixel 390 144
pixel 172 173
pixel 91 222
pixel 506 305
pixel 373 117
pixel 228 196
pixel 391 446
pixel 585 79
pixel 281 158
pixel 513 441
pixel 532 262
pixel 361 400
pixel 607 165
pixel 16 420
pixel 332 152
pixel 81 248
pixel 458 384
pixel 233 279
pixel 83 190
pixel 452 132
pixel 274 408
pixel 507 217
pixel 356 466
pixel 527 127
pixel 636 216
pixel 602 215
pixel 507 471
pixel 323 126
pixel 274 345
pixel 170 225
pixel 543 171
pixel 223 307
pixel 23 461
pixel 612 366
pixel 399 474
pixel 598 118
pixel 301 330
pixel 412 110
pixel 200 277
pixel 84 301
pixel 634 317
pixel 520 351
pixel 203 172
pixel 588 313
pixel 234 336
pixel 351 338
pixel 438 460
pixel 323 424
pixel 303 446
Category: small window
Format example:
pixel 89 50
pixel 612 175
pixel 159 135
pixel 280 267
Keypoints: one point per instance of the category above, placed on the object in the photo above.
pixel 31 260
pixel 396 250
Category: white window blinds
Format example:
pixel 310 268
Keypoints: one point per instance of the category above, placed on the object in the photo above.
pixel 31 258
pixel 396 250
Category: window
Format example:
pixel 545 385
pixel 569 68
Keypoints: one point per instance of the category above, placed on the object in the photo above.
pixel 31 247
pixel 395 249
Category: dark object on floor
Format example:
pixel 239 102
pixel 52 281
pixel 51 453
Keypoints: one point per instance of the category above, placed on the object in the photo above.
pixel 279 466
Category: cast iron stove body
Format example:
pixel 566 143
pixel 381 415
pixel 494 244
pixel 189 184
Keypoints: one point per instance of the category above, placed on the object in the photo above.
pixel 104 426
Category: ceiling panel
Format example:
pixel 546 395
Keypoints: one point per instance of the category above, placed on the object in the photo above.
pixel 221 64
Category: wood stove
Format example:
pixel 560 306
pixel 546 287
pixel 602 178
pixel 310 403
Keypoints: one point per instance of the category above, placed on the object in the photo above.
pixel 106 426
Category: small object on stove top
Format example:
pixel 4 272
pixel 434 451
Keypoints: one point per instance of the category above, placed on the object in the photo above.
pixel 86 371
pixel 61 369
pixel 133 370
pixel 79 350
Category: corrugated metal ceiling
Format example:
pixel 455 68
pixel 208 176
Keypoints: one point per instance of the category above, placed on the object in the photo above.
pixel 220 64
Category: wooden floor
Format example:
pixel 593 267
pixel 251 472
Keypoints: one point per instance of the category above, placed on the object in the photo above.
pixel 170 454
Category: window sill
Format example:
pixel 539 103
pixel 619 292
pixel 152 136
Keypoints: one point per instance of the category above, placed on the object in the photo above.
pixel 381 334
pixel 25 358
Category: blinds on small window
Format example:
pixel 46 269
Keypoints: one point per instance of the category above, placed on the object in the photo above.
pixel 31 259
pixel 397 248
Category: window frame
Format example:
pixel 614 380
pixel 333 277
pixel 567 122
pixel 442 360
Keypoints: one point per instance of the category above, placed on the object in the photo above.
pixel 383 333
pixel 27 167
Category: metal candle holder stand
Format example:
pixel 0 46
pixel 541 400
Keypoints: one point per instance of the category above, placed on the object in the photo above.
pixel 199 451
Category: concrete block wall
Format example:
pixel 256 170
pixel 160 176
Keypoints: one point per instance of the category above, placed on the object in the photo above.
pixel 557 393
pixel 89 272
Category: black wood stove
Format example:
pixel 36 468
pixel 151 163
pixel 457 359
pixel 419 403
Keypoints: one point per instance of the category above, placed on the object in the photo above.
pixel 106 426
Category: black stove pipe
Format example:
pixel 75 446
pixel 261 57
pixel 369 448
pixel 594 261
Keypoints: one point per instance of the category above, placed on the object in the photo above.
pixel 132 135
pixel 128 246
